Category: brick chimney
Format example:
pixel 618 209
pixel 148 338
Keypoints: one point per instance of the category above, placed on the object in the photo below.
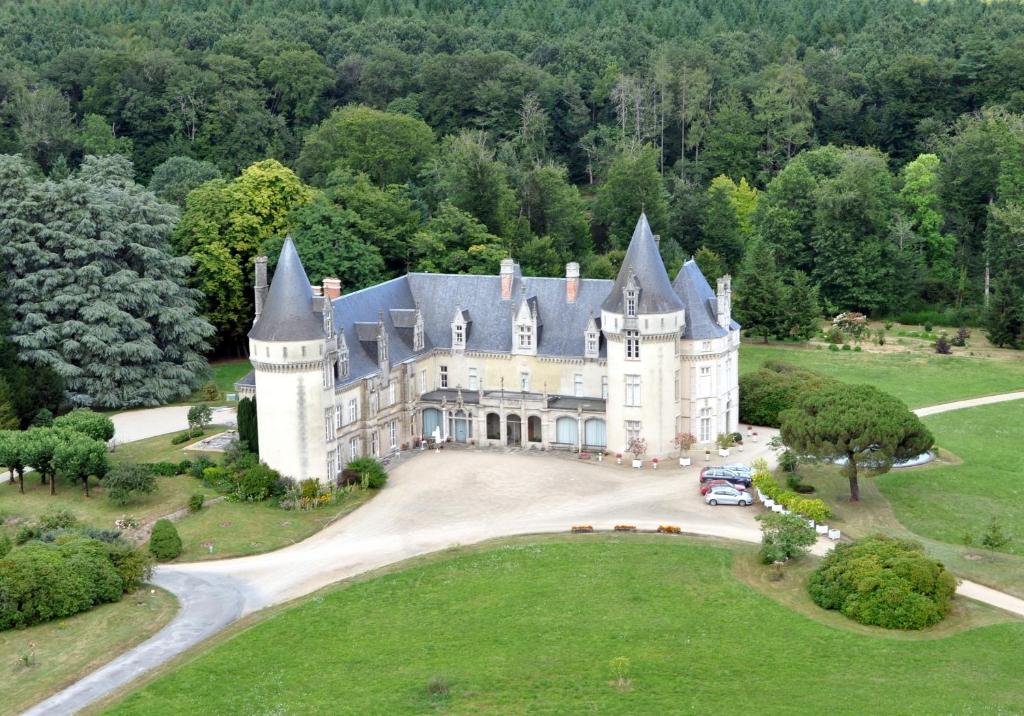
pixel 572 281
pixel 332 288
pixel 507 274
pixel 260 286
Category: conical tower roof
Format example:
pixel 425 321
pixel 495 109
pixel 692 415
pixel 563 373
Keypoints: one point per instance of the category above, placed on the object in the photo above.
pixel 644 266
pixel 288 311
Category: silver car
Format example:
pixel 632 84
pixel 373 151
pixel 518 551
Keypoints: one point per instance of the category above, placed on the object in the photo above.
pixel 723 495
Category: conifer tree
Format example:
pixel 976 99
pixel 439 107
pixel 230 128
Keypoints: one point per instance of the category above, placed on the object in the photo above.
pixel 97 294
pixel 759 293
pixel 801 307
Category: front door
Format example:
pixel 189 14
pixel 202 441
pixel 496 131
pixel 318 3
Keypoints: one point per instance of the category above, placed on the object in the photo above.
pixel 514 430
pixel 461 433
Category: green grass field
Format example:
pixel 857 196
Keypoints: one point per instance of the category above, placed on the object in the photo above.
pixel 946 503
pixel 68 649
pixel 532 627
pixel 917 378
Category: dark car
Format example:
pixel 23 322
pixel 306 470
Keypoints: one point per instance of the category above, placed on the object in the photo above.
pixel 725 473
pixel 705 486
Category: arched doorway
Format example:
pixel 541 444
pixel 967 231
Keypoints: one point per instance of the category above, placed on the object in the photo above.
pixel 567 431
pixel 459 426
pixel 514 429
pixel 533 430
pixel 493 426
pixel 595 433
pixel 431 421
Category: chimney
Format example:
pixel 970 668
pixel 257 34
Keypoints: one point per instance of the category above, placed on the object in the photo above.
pixel 572 281
pixel 724 301
pixel 261 285
pixel 318 299
pixel 507 274
pixel 332 288
pixel 657 241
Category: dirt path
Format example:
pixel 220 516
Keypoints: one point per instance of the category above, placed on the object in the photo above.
pixel 432 502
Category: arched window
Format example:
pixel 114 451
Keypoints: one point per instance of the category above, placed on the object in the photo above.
pixel 493 426
pixel 566 431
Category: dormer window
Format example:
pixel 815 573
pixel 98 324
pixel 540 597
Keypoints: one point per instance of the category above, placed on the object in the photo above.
pixel 459 329
pixel 382 348
pixel 631 302
pixel 525 336
pixel 591 340
pixel 591 348
pixel 343 363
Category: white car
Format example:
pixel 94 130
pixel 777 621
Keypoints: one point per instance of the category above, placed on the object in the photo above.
pixel 723 495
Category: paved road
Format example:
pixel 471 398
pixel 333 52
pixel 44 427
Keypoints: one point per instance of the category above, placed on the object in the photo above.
pixel 141 424
pixel 432 502
pixel 969 403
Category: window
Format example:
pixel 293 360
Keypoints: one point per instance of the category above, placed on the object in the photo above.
pixel 353 410
pixel 632 345
pixel 524 381
pixel 630 302
pixel 677 384
pixel 423 381
pixel 382 348
pixel 303 351
pixel 633 390
pixel 393 434
pixel 374 444
pixel 374 402
pixel 353 448
pixel 604 387
pixel 632 431
pixel 577 385
pixel 705 371
pixel 525 336
pixel 474 382
pixel 392 393
pixel 332 459
pixel 706 346
pixel 591 345
pixel 339 417
pixel 329 424
pixel 444 376
pixel 417 335
pixel 343 363
pixel 458 336
pixel 705 425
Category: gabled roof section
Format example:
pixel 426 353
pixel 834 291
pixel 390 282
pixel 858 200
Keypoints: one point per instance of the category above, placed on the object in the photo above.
pixel 701 304
pixel 403 317
pixel 288 313
pixel 643 262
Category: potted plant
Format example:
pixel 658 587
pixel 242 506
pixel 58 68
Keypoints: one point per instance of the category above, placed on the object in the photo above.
pixel 654 463
pixel 637 448
pixel 724 442
pixel 753 437
pixel 685 441
pixel 618 458
pixel 707 455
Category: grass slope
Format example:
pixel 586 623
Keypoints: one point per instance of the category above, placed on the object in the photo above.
pixel 917 379
pixel 532 627
pixel 947 502
pixel 68 649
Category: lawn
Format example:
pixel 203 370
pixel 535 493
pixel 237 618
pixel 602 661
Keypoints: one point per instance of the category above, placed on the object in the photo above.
pixel 226 373
pixel 160 448
pixel 235 529
pixel 68 649
pixel 533 626
pixel 917 378
pixel 948 502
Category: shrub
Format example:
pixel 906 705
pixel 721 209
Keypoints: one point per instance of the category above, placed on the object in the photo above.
pixel 56 519
pixel 199 416
pixel 784 537
pixel 994 537
pixel 928 327
pixel 789 461
pixel 6 545
pixel 134 566
pixel 256 483
pixel 884 582
pixel 834 347
pixel 195 502
pixel 182 438
pixel 199 466
pixel 835 336
pixel 846 347
pixel 209 392
pixel 184 467
pixel 164 542
pixel 218 478
pixel 773 388
pixel 127 479
pixel 371 473
pixel 349 477
pixel 43 419
pixel 857 349
pixel 962 334
pixel 26 533
pixel 309 489
pixel 942 345
pixel 669 529
pixel 164 469
pixel 96 426
pixel 582 528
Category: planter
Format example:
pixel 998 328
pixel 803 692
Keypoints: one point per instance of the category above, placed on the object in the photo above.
pixel 723 453
pixel 821 529
pixel 778 508
pixel 618 460
pixel 753 438
pixel 654 464
pixel 833 534
pixel 707 456
pixel 769 502
pixel 638 464
pixel 684 462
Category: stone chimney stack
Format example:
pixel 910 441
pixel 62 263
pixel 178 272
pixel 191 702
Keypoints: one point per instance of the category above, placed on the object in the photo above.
pixel 261 286
pixel 332 288
pixel 724 301
pixel 657 241
pixel 508 267
pixel 572 281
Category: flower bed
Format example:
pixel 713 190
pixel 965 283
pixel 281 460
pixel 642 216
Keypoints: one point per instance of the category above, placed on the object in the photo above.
pixel 811 508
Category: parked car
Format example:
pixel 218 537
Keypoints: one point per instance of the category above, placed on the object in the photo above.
pixel 724 473
pixel 722 495
pixel 740 468
pixel 718 483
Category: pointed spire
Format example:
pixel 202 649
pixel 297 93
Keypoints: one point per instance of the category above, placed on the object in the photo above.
pixel 642 263
pixel 288 311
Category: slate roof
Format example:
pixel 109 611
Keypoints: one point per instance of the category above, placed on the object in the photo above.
pixel 643 261
pixel 288 313
pixel 701 304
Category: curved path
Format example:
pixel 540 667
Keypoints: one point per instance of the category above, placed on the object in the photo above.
pixel 434 501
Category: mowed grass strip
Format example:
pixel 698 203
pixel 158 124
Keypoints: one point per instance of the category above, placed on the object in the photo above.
pixel 918 379
pixel 531 628
pixel 67 649
pixel 952 502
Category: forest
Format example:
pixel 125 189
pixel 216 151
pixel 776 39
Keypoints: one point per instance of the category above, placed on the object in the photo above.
pixel 853 155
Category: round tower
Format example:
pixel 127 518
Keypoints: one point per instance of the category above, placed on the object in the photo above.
pixel 293 383
pixel 642 318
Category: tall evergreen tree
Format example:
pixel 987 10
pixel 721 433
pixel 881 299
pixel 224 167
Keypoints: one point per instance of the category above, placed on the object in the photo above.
pixel 759 293
pixel 633 185
pixel 722 232
pixel 801 307
pixel 97 294
pixel 1004 318
pixel 248 430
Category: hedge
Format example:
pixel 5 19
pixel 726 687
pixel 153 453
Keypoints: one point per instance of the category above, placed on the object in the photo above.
pixel 44 581
pixel 884 582
pixel 773 388
pixel 811 508
pixel 164 542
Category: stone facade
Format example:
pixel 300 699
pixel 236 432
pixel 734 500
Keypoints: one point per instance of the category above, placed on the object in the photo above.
pixel 559 363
